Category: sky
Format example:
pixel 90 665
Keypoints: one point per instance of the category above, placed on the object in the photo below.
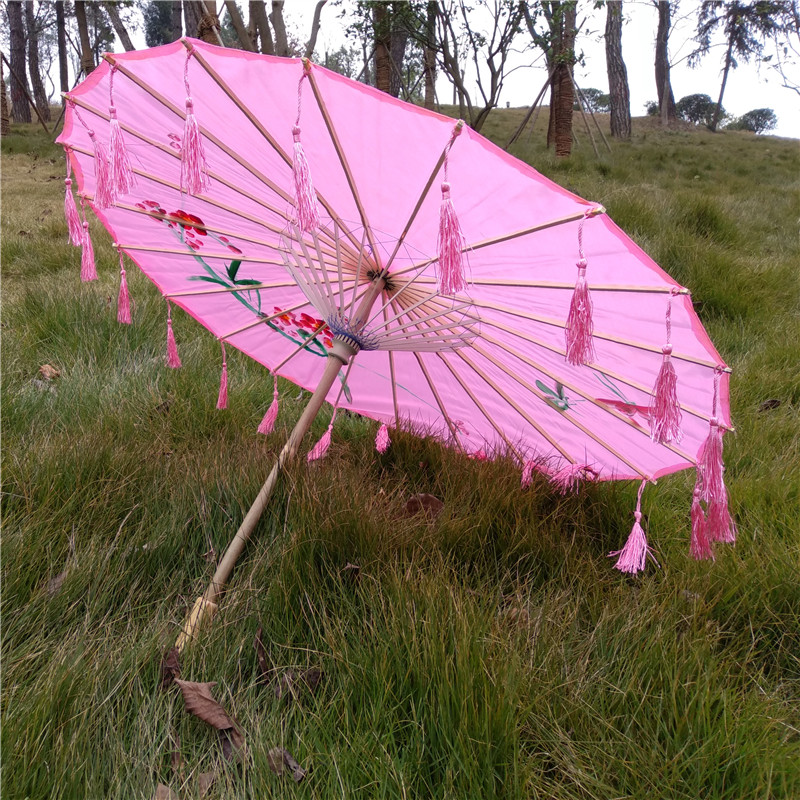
pixel 750 86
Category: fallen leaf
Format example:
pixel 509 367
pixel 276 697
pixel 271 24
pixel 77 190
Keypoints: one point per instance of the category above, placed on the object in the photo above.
pixel 232 742
pixel 768 405
pixel 164 793
pixel 352 572
pixel 198 700
pixel 261 655
pixel 279 759
pixel 205 780
pixel 170 668
pixel 49 372
pixel 54 584
pixel 427 503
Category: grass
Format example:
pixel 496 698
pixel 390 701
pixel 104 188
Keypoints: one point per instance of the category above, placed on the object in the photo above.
pixel 493 653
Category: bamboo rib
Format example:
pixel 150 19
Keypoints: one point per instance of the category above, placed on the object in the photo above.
pixel 343 161
pixel 262 321
pixel 393 380
pixel 300 348
pixel 601 287
pixel 229 256
pixel 234 98
pixel 481 408
pixel 439 402
pixel 614 413
pixel 568 417
pixel 224 289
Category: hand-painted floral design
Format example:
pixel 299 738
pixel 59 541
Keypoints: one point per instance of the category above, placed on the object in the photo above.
pixel 174 141
pixel 622 404
pixel 557 397
pixel 302 326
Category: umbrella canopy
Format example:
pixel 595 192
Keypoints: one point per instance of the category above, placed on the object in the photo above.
pixel 218 210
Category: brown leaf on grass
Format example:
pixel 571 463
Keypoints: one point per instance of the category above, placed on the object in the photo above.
pixel 425 503
pixel 170 668
pixel 54 584
pixel 280 760
pixel 49 372
pixel 164 793
pixel 768 405
pixel 198 700
pixel 205 780
pixel 261 655
pixel 232 743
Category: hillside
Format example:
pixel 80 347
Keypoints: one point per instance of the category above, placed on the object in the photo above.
pixel 491 652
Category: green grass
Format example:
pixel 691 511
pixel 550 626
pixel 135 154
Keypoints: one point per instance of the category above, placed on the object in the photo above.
pixel 493 653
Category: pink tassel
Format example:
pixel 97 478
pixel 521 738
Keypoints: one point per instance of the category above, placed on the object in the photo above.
pixel 305 196
pixel 173 361
pixel 665 411
pixel 382 440
pixel 123 301
pixel 121 174
pixel 222 398
pixel 71 213
pixel 88 268
pixel 104 194
pixel 320 449
pixel 527 474
pixel 451 248
pixel 194 168
pixel 711 466
pixel 719 523
pixel 578 331
pixel 700 546
pixel 633 556
pixel 268 423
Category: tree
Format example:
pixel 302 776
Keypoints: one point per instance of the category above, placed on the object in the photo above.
pixel 651 109
pixel 87 58
pixel 19 81
pixel 758 120
pixel 597 101
pixel 666 99
pixel 699 109
pixel 61 34
pixel 617 74
pixel 112 9
pixel 39 93
pixel 260 23
pixel 157 23
pixel 746 27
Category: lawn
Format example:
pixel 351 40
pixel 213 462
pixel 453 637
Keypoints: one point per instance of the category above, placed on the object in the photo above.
pixel 493 652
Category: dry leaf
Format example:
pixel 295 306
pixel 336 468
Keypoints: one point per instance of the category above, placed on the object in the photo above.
pixel 261 655
pixel 205 780
pixel 199 702
pixel 54 584
pixel 768 405
pixel 49 372
pixel 170 668
pixel 164 793
pixel 427 503
pixel 352 572
pixel 279 760
pixel 232 742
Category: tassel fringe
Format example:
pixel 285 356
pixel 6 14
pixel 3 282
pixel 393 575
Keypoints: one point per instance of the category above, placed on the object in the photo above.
pixel 104 194
pixel 222 397
pixel 320 449
pixel 88 268
pixel 124 300
pixel 633 557
pixel 270 418
pixel 451 248
pixel 700 546
pixel 382 440
pixel 71 213
pixel 194 167
pixel 305 196
pixel 122 177
pixel 579 328
pixel 527 474
pixel 173 361
pixel 665 411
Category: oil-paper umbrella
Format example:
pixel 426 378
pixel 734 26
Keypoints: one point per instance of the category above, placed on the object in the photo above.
pixel 321 226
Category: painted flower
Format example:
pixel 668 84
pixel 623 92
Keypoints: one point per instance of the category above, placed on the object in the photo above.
pixel 189 222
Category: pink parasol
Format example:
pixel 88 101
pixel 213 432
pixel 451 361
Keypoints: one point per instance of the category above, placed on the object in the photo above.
pixel 436 282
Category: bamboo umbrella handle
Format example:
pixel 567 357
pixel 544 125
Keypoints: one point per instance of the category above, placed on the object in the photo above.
pixel 205 606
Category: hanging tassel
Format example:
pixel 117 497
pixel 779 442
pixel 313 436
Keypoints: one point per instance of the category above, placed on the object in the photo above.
pixel 122 177
pixel 633 556
pixel 104 194
pixel 304 195
pixel 527 474
pixel 88 268
pixel 320 449
pixel 222 397
pixel 173 360
pixel 720 526
pixel 579 327
pixel 711 464
pixel 700 546
pixel 123 301
pixel 665 410
pixel 74 226
pixel 451 241
pixel 268 423
pixel 194 167
pixel 382 440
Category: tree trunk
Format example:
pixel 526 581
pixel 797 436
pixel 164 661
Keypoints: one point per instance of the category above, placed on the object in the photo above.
pixel 258 16
pixel 176 20
pixel 312 39
pixel 278 25
pixel 562 95
pixel 5 122
pixel 119 27
pixel 617 74
pixel 383 41
pixel 193 11
pixel 718 109
pixel 238 25
pixel 61 33
pixel 19 91
pixel 563 117
pixel 397 55
pixel 429 56
pixel 666 99
pixel 87 59
pixel 39 92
